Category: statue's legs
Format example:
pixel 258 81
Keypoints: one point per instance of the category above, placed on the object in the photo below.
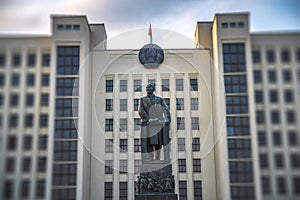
pixel 157 152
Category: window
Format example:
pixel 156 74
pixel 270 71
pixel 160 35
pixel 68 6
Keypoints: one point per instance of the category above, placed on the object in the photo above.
pixel 272 77
pixel 28 120
pixel 64 175
pixel 137 85
pixel 1 100
pixel 43 140
pixel 136 104
pixel 15 80
pixel 137 124
pixel 194 84
pixel 239 148
pixel 241 25
pixel 123 166
pixel 165 85
pixel 109 145
pixel 2 60
pixel 42 164
pixel 196 144
pixel 2 80
pixel 287 76
pixel 137 145
pixel 25 188
pixel 194 103
pixel 295 160
pixel 281 185
pixel 27 142
pixel 123 104
pixel 108 191
pixel 198 190
pixel 109 124
pixel 273 96
pixel 195 123
pixel 179 84
pixel 108 104
pixel 182 190
pixel 123 124
pixel 224 25
pixel 180 123
pixel 181 165
pixel 285 56
pixel 270 56
pixel 67 86
pixel 296 185
pixel 108 167
pixel 76 27
pixel 13 121
pixel 260 117
pixel 292 138
pixel 40 188
pixel 262 139
pixel 277 140
pixel 290 117
pixel 44 99
pixel 235 83
pixel 45 79
pixel 181 144
pixel 68 60
pixel 29 99
pixel 123 85
pixel 257 76
pixel 237 126
pixel 275 117
pixel 10 165
pixel 266 185
pixel 30 79
pixel 256 56
pixel 259 96
pixel 196 165
pixel 279 161
pixel 123 191
pixel 288 96
pixel 16 60
pixel 26 164
pixel 14 100
pixel 46 59
pixel 8 189
pixel 137 166
pixel 31 59
pixel 232 24
pixel 123 145
pixel 109 85
pixel 236 104
pixel 263 161
pixel 65 150
pixel 60 27
pixel 179 104
pixel 43 120
pixel 234 57
pixel 68 27
pixel 241 172
pixel 298 55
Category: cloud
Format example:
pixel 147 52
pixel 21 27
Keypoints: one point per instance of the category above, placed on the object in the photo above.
pixel 125 15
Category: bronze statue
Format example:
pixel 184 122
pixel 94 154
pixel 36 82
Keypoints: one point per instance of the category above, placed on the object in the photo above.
pixel 156 119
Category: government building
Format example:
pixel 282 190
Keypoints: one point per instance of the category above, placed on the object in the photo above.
pixel 70 128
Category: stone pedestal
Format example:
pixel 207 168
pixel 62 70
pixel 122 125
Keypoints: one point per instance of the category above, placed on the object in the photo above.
pixel 163 196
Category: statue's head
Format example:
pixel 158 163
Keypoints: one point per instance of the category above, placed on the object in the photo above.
pixel 150 88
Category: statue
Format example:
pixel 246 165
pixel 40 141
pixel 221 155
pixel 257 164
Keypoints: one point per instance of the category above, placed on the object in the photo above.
pixel 156 119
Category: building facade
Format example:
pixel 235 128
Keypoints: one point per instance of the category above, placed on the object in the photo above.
pixel 70 127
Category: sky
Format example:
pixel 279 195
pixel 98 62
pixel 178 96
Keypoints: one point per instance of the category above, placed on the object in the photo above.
pixel 119 16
